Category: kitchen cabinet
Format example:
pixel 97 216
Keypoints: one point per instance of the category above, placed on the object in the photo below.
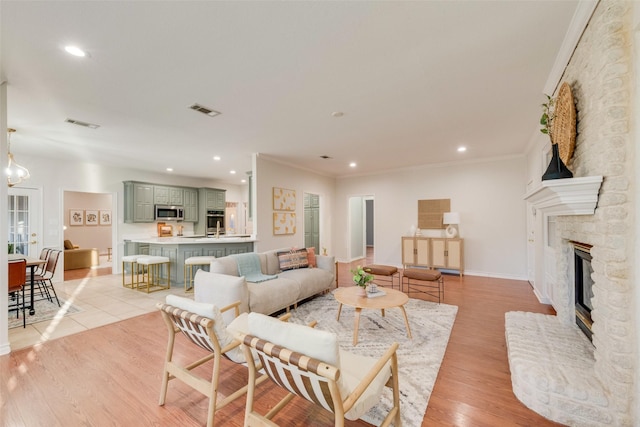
pixel 416 252
pixel 138 202
pixel 209 199
pixel 190 205
pixel 171 196
pixel 448 254
pixel 214 199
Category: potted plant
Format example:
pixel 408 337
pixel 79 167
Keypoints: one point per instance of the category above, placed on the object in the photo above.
pixel 361 278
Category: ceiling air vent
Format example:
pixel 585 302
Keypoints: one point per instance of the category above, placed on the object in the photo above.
pixel 324 156
pixel 83 124
pixel 204 110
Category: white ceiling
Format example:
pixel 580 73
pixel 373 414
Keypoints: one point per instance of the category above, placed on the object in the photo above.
pixel 414 79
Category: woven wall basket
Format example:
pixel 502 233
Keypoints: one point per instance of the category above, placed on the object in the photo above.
pixel 564 123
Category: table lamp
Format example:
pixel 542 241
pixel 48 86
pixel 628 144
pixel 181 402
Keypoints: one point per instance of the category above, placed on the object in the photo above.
pixel 451 219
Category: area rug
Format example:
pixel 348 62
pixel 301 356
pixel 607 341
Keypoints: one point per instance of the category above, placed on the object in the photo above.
pixel 419 358
pixel 45 310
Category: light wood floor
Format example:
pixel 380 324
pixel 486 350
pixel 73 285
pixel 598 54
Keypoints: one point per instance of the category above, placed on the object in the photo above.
pixel 111 375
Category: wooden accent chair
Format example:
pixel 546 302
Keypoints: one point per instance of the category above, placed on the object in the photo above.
pixel 17 280
pixel 204 326
pixel 309 363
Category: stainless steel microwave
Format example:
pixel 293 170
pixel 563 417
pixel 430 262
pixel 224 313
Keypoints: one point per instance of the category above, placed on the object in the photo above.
pixel 169 213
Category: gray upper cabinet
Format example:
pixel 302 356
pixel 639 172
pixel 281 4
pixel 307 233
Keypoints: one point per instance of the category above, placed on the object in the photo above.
pixel 140 198
pixel 172 196
pixel 190 205
pixel 214 199
pixel 138 202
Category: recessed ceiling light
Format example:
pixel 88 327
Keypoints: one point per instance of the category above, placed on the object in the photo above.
pixel 462 149
pixel 243 181
pixel 216 158
pixel 337 114
pixel 352 164
pixel 169 169
pixel 75 51
pixel 232 172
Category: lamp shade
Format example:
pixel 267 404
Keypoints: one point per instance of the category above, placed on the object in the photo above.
pixel 451 218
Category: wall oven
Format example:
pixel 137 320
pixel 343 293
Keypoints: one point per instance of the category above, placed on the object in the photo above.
pixel 169 213
pixel 215 220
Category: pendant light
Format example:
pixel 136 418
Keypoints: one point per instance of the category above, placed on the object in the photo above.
pixel 15 173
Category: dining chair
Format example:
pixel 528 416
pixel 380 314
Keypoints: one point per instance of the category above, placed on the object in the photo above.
pixel 309 363
pixel 16 285
pixel 43 281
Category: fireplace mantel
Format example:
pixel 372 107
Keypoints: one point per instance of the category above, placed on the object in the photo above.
pixel 569 196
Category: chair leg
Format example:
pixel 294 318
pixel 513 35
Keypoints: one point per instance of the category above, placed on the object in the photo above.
pixel 55 294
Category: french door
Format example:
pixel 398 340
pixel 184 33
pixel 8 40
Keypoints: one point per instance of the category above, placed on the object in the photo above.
pixel 24 221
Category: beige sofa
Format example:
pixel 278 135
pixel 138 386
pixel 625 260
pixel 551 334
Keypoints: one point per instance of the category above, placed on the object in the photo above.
pixel 223 285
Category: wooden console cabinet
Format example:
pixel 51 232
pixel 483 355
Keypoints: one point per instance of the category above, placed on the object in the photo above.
pixel 433 252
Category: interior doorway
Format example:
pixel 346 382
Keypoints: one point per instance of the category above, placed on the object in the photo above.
pixel 361 228
pixel 89 223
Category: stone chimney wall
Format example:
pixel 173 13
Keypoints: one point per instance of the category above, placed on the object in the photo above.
pixel 601 75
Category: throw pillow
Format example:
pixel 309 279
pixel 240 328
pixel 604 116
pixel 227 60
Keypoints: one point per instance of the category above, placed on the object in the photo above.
pixel 311 256
pixel 293 259
pixel 68 244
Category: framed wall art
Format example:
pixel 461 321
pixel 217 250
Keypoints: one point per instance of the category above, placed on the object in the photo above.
pixel 76 217
pixel 105 218
pixel 284 223
pixel 283 199
pixel 91 217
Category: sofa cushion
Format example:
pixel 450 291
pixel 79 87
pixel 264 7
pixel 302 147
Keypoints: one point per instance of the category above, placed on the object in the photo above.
pixel 68 244
pixel 273 295
pixel 312 281
pixel 221 290
pixel 224 265
pixel 293 259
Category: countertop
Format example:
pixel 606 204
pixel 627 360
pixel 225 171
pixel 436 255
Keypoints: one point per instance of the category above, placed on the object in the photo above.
pixel 192 240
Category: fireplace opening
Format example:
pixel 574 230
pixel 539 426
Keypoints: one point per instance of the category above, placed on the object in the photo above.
pixel 583 287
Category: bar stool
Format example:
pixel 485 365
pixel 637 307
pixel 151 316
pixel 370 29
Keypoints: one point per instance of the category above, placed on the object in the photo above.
pixel 132 260
pixel 189 264
pixel 153 266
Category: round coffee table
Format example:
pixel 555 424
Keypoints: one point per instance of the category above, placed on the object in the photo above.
pixel 349 296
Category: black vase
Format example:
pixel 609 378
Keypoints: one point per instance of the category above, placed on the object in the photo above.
pixel 557 169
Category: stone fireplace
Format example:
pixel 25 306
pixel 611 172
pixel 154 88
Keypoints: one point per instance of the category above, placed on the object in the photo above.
pixel 603 74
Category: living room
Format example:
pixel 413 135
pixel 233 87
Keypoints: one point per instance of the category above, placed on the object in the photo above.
pixel 488 193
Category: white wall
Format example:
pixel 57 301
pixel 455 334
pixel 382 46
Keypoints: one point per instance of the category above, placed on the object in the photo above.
pixel 488 195
pixel 268 174
pixel 54 177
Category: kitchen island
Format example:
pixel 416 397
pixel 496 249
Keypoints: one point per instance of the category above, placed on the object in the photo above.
pixel 177 249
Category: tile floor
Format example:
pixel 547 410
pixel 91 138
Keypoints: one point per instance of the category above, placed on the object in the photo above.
pixel 103 300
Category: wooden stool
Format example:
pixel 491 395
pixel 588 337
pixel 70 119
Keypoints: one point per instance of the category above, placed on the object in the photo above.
pixel 132 260
pixel 389 272
pixel 153 266
pixel 430 279
pixel 189 263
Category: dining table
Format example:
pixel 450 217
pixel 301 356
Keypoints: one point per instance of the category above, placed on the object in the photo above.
pixel 32 263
